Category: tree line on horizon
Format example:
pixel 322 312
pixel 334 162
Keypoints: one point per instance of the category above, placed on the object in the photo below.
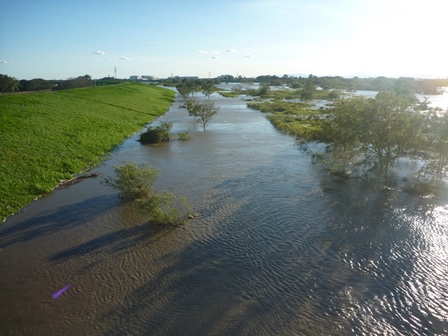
pixel 381 83
pixel 11 84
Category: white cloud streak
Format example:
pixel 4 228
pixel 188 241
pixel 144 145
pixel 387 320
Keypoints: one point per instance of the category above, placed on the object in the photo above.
pixel 208 52
pixel 99 52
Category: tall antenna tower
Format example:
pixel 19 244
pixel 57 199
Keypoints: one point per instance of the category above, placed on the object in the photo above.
pixel 115 71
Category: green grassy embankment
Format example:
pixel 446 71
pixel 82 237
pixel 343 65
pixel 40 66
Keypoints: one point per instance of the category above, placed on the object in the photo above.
pixel 49 137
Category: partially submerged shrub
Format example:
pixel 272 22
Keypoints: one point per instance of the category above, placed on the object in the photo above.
pixel 163 208
pixel 157 133
pixel 135 183
pixel 184 136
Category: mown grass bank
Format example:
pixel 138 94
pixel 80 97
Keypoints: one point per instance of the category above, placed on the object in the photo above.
pixel 46 138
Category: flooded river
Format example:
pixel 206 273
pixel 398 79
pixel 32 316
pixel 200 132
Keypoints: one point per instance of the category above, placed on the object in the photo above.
pixel 280 248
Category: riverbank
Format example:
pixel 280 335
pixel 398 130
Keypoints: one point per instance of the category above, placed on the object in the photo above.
pixel 49 137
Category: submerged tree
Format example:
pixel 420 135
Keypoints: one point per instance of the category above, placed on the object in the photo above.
pixel 192 107
pixel 308 91
pixel 207 88
pixel 202 112
pixel 436 135
pixel 376 131
pixel 184 90
pixel 263 89
pixel 206 112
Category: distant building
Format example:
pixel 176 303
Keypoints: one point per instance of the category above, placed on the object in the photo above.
pixel 149 78
pixel 186 77
pixel 135 78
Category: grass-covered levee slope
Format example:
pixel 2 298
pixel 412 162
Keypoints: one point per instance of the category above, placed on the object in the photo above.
pixel 49 137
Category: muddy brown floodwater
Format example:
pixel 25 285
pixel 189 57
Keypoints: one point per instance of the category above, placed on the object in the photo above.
pixel 280 248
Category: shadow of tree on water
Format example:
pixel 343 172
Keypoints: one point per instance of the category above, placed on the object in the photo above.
pixel 299 277
pixel 115 242
pixel 66 217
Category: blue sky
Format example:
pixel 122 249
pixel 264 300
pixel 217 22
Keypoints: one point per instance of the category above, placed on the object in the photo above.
pixel 58 39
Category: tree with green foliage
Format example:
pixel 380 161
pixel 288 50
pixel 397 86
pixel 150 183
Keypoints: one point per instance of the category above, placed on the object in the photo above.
pixel 73 83
pixel 376 131
pixel 308 91
pixel 8 84
pixel 207 88
pixel 206 112
pixel 184 90
pixel 436 136
pixel 193 107
pixel 135 182
pixel 35 84
pixel 263 89
pixel 333 95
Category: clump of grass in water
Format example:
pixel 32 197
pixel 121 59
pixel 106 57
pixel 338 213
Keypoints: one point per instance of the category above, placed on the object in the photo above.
pixel 135 184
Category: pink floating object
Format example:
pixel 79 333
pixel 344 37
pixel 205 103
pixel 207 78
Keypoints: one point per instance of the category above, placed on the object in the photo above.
pixel 56 295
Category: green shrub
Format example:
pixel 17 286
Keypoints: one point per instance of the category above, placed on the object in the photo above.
pixel 157 133
pixel 333 95
pixel 184 136
pixel 135 183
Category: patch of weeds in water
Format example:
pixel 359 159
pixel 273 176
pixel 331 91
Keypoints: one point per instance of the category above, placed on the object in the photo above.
pixel 183 136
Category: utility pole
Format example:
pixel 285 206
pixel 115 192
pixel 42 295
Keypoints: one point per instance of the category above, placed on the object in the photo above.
pixel 115 70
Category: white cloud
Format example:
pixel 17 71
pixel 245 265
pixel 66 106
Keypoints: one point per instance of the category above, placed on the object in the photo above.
pixel 215 57
pixel 230 50
pixel 202 51
pixel 3 62
pixel 214 52
pixel 124 58
pixel 99 52
pixel 247 55
pixel 108 59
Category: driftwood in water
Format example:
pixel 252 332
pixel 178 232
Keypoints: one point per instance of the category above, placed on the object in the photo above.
pixel 75 180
